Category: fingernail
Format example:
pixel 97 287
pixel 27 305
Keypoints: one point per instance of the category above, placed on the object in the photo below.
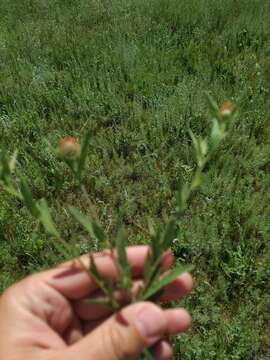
pixel 151 323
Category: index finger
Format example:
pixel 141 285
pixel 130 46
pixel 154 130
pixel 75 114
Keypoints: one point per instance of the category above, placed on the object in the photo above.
pixel 74 281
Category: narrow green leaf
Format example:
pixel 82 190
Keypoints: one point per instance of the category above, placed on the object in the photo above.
pixel 71 163
pixel 216 134
pixel 46 219
pixel 105 284
pixel 169 234
pixel 203 146
pixel 63 249
pixel 165 280
pixel 197 181
pixel 151 227
pixel 123 265
pixel 195 142
pixel 111 293
pixel 156 244
pixel 102 302
pixel 151 269
pixel 99 233
pixel 212 105
pixel 82 219
pixel 121 249
pixel 147 265
pixel 90 226
pixel 83 154
pixel 29 200
pixel 96 275
pixel 182 197
pixel 152 275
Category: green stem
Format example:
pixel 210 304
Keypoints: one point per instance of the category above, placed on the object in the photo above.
pixel 88 201
pixel 86 196
pixel 154 272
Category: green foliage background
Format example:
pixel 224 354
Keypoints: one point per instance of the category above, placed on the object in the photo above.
pixel 134 73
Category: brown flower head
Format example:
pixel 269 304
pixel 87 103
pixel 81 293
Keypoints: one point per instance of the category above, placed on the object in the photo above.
pixel 226 108
pixel 69 146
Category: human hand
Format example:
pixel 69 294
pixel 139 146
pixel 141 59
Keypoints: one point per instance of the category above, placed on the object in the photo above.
pixel 45 317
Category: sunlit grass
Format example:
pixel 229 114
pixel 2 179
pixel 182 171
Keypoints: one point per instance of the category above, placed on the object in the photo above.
pixel 134 73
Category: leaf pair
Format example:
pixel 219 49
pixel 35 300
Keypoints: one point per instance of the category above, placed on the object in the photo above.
pixel 160 283
pixel 160 242
pixel 106 285
pixel 218 133
pixel 96 232
pixel 153 281
pixel 92 227
pixel 201 149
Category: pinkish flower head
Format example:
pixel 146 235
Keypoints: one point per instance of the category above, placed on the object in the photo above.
pixel 69 146
pixel 226 109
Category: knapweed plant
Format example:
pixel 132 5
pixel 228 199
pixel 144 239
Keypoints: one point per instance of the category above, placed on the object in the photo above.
pixel 74 154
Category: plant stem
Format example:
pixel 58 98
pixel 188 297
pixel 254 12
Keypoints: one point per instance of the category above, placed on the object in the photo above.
pixel 86 196
pixel 88 201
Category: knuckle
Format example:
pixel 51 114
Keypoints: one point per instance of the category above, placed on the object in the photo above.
pixel 117 343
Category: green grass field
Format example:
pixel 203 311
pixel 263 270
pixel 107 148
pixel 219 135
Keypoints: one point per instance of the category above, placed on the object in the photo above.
pixel 135 73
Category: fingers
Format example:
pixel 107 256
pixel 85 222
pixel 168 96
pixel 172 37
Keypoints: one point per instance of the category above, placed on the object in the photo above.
pixel 74 332
pixel 176 290
pixel 124 335
pixel 74 282
pixel 87 311
pixel 178 320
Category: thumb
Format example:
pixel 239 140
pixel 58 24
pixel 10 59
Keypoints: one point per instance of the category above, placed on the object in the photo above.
pixel 124 335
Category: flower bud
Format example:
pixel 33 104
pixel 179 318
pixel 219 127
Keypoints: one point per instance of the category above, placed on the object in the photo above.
pixel 69 147
pixel 226 109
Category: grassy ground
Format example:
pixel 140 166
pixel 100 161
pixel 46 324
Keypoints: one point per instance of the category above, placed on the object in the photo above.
pixel 134 72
